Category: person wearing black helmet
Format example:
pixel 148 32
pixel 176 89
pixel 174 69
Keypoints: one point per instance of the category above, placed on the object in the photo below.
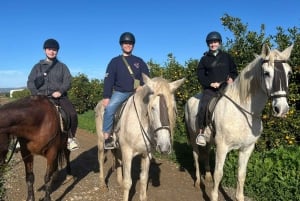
pixel 215 67
pixel 123 77
pixel 55 84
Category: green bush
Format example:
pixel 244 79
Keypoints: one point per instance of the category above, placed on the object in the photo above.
pixel 21 94
pixel 271 175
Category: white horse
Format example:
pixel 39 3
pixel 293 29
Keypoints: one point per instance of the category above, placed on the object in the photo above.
pixel 147 121
pixel 236 121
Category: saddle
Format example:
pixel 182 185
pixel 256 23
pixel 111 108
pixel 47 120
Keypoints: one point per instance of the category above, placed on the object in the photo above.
pixel 116 125
pixel 210 109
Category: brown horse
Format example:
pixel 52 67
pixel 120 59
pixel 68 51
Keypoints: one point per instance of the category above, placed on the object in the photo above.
pixel 35 121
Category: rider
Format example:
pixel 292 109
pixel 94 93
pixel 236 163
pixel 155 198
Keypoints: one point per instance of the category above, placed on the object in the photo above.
pixel 57 83
pixel 119 83
pixel 214 68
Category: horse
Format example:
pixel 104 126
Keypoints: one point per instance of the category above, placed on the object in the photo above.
pixel 35 121
pixel 146 123
pixel 236 119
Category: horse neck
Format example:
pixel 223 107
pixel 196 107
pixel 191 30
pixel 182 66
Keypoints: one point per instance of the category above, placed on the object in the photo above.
pixel 249 94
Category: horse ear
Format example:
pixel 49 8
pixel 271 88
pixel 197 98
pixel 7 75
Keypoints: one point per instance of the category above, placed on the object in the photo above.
pixel 287 52
pixel 146 79
pixel 174 85
pixel 265 50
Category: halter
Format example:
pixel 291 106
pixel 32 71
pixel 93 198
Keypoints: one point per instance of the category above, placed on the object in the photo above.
pixel 279 80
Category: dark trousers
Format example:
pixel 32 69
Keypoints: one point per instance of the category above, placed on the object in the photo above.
pixel 68 107
pixel 207 95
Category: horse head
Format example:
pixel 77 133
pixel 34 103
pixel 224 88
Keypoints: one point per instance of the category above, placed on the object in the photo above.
pixel 276 72
pixel 162 111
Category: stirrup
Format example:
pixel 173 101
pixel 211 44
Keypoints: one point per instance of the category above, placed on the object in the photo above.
pixel 73 144
pixel 109 143
pixel 201 139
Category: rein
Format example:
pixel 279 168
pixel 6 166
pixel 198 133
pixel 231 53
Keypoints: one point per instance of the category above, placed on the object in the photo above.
pixel 163 116
pixel 12 151
pixel 144 133
pixel 243 110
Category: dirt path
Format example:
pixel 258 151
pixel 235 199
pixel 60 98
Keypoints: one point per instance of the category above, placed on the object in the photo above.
pixel 167 182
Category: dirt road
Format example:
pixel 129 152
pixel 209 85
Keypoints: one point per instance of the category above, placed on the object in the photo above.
pixel 167 182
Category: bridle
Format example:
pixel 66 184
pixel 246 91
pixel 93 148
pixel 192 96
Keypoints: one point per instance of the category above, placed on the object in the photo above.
pixel 279 74
pixel 165 123
pixel 279 80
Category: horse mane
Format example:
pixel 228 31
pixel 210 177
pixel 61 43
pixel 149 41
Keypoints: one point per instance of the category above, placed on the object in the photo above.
pixel 247 81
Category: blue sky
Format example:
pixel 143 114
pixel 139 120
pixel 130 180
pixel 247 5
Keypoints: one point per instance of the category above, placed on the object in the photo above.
pixel 88 30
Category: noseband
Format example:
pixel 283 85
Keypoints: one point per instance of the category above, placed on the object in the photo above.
pixel 279 80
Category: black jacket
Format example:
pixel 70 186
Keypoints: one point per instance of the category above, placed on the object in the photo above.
pixel 215 68
pixel 58 79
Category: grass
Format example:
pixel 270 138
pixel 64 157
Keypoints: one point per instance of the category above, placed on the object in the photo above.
pixel 86 121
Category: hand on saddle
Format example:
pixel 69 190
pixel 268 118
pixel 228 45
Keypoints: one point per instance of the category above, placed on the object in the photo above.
pixel 215 85
pixel 56 94
pixel 229 80
pixel 105 101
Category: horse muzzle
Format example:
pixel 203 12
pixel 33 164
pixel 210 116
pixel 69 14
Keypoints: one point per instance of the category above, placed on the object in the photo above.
pixel 280 107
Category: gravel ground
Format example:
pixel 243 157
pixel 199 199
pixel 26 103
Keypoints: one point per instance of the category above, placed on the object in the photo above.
pixel 167 181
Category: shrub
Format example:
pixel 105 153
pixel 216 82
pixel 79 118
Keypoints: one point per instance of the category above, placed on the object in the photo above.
pixel 271 175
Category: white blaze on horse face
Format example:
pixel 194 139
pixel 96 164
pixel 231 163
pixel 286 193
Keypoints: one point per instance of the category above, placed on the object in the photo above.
pixel 162 135
pixel 279 98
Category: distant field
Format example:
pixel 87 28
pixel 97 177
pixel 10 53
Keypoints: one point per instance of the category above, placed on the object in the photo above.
pixel 4 99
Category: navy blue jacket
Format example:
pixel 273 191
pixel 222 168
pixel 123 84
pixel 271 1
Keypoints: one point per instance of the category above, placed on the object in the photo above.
pixel 215 69
pixel 117 75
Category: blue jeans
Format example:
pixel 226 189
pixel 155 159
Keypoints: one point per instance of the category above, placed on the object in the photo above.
pixel 115 101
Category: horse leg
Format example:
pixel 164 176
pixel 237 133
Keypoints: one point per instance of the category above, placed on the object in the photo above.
pixel 118 165
pixel 52 165
pixel 29 176
pixel 68 164
pixel 206 157
pixel 244 156
pixel 144 175
pixel 221 153
pixel 101 164
pixel 127 180
pixel 197 167
pixel 4 143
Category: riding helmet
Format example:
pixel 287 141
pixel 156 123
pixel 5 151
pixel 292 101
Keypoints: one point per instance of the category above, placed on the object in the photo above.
pixel 51 43
pixel 214 35
pixel 127 37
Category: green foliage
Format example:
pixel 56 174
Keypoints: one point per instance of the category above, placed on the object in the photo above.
pixel 2 189
pixel 275 174
pixel 86 121
pixel 21 94
pixel 85 94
